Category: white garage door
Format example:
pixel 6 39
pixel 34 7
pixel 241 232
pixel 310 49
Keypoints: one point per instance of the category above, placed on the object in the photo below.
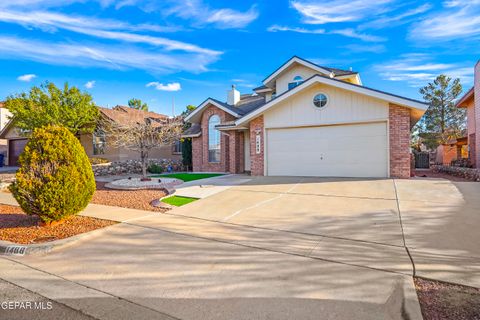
pixel 331 151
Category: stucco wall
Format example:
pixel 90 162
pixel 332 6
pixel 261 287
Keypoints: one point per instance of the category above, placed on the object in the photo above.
pixel 343 106
pixel 115 154
pixel 477 111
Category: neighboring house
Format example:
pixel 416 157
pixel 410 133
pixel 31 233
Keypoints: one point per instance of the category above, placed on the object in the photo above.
pixel 4 118
pixel 306 120
pixel 455 149
pixel 473 117
pixel 97 144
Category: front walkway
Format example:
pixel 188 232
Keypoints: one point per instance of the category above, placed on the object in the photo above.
pixel 203 188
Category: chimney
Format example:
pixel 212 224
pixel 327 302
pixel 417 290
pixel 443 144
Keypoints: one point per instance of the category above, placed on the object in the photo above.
pixel 476 92
pixel 233 96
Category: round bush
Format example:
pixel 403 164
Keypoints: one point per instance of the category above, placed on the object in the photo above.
pixel 55 178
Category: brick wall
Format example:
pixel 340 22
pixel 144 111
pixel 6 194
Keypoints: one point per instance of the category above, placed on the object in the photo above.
pixel 399 128
pixel 200 145
pixel 472 150
pixel 477 111
pixel 236 151
pixel 257 165
pixel 197 154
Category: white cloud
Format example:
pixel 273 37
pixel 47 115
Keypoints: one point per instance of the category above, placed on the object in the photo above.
pixel 27 77
pixel 174 86
pixel 117 56
pixel 350 33
pixel 228 18
pixel 418 69
pixel 396 20
pixel 314 12
pixel 90 84
pixel 458 20
pixel 97 28
pixel 201 14
pixel 277 28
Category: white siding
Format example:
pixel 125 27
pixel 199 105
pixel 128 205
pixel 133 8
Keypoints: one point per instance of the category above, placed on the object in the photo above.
pixel 288 75
pixel 343 107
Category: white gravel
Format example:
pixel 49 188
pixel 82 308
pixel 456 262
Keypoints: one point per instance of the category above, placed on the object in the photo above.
pixel 136 183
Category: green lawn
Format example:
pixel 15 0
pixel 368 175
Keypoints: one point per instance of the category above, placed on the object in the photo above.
pixel 189 176
pixel 178 201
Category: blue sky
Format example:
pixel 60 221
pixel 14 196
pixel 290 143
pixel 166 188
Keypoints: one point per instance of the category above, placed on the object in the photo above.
pixel 189 50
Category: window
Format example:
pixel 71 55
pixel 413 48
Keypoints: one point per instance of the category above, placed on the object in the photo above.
pixel 213 139
pixel 320 100
pixel 296 81
pixel 99 142
pixel 177 147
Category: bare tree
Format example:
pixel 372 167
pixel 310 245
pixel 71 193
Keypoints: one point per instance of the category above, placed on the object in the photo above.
pixel 143 136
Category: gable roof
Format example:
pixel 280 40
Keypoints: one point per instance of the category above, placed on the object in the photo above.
pixel 314 66
pixel 127 115
pixel 247 103
pixel 466 97
pixel 403 101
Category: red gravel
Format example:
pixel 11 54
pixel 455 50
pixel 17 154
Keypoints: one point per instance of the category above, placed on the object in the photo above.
pixel 18 227
pixel 442 301
pixel 134 199
pixel 431 174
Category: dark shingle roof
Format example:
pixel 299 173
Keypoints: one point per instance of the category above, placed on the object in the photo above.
pixel 337 72
pixel 261 88
pixel 193 130
pixel 246 104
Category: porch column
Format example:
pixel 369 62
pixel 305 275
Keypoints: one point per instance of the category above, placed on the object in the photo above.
pixel 235 151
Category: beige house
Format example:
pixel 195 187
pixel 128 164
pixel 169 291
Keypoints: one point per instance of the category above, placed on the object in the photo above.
pixel 96 145
pixel 306 120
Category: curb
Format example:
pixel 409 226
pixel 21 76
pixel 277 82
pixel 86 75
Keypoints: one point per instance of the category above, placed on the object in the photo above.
pixel 8 248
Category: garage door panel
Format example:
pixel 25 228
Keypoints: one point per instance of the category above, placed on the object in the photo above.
pixel 342 151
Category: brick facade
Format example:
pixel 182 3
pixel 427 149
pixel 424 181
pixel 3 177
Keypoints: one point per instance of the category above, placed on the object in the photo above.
pixel 476 85
pixel 257 159
pixel 197 154
pixel 200 145
pixel 399 135
pixel 236 152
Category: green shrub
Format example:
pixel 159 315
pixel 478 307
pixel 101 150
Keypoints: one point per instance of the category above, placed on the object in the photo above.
pixel 55 178
pixel 155 168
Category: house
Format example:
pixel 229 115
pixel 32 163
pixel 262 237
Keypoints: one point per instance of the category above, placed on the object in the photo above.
pixel 97 144
pixel 306 120
pixel 454 150
pixel 472 105
pixel 4 118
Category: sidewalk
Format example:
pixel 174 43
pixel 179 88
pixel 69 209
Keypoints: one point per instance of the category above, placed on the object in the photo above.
pixel 95 210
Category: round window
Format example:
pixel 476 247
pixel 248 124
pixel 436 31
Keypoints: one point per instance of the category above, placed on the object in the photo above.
pixel 320 100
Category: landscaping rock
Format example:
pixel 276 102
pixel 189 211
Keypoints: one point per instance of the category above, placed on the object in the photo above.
pixel 467 173
pixel 134 166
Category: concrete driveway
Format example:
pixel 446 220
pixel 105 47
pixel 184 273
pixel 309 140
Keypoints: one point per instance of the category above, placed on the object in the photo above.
pixel 272 248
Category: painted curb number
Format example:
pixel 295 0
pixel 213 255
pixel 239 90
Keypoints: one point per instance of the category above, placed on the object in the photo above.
pixel 15 250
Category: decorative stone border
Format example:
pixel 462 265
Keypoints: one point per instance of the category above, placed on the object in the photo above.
pixel 134 166
pixel 136 184
pixel 467 173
